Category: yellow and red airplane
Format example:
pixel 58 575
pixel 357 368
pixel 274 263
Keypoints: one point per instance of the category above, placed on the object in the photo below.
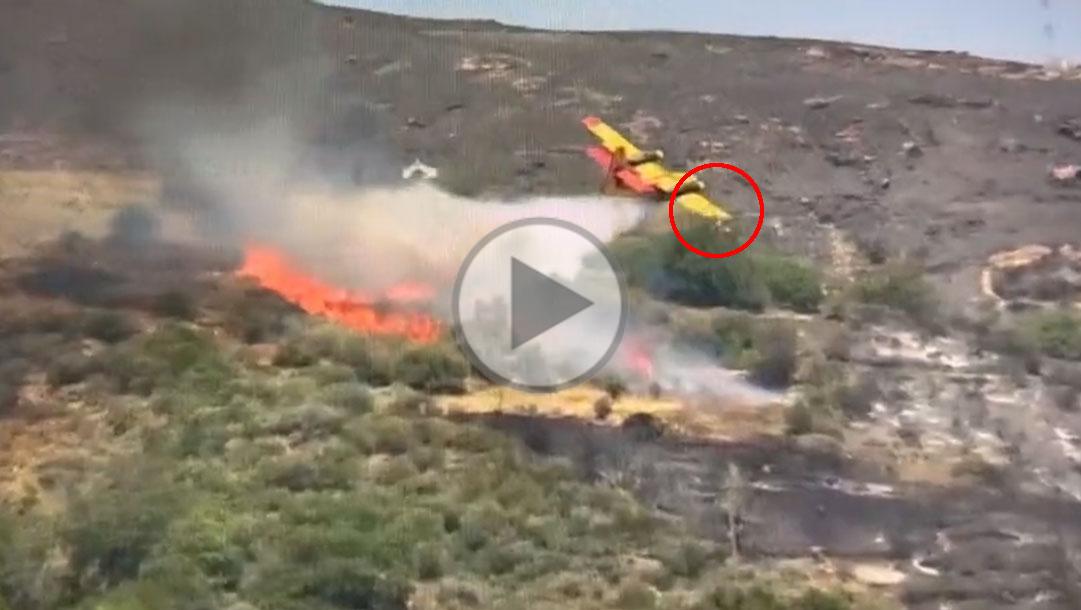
pixel 639 171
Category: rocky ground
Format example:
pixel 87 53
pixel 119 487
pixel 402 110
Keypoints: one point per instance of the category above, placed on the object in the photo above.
pixel 863 153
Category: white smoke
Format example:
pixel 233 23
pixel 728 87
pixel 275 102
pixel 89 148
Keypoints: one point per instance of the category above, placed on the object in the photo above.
pixel 252 162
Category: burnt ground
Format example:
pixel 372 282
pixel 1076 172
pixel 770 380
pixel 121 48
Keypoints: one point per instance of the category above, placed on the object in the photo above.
pixel 976 547
pixel 939 156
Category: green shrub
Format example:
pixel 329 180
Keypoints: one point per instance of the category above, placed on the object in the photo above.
pixel 390 434
pixel 115 526
pixel 351 396
pixel 686 559
pixel 372 359
pixel 426 458
pixel 395 470
pixel 435 368
pixel 641 261
pixel 481 524
pixel 350 583
pixel 172 356
pixel 430 561
pixel 502 558
pixel 660 264
pixel 636 596
pixel 735 338
pixel 899 286
pixel 309 421
pixel 791 283
pixel 735 597
pixel 329 373
pixel 1055 333
pixel 727 337
pixel 303 473
pixel 759 597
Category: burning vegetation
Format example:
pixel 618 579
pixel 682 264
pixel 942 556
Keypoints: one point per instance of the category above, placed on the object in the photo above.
pixel 393 313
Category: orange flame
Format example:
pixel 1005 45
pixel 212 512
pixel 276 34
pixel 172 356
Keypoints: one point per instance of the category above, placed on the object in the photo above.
pixel 359 312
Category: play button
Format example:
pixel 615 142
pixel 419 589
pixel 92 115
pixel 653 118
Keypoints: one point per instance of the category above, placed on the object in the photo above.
pixel 538 305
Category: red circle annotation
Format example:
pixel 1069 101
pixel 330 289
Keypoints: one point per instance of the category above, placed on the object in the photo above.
pixel 745 176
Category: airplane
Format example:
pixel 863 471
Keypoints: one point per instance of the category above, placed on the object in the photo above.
pixel 642 172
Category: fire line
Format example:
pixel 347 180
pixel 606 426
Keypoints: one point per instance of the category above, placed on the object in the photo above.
pixel 362 313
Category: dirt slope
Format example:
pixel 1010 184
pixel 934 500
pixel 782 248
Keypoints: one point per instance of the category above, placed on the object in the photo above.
pixel 822 126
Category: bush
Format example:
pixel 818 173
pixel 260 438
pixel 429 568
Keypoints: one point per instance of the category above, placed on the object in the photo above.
pixel 614 387
pixel 1054 333
pixel 1066 398
pixel 370 358
pixel 602 408
pixel 481 524
pixel 660 264
pixel 309 421
pixel 776 362
pixel 395 470
pixel 69 368
pixel 856 398
pixel 331 373
pixel 303 474
pixel 799 419
pixel 433 369
pixel 426 458
pixel 134 225
pixel 173 356
pixel 637 596
pixel 758 597
pixel 686 560
pixel 641 260
pixel 351 396
pixel 975 467
pixel 350 583
pixel 108 326
pixel 899 286
pixel 9 395
pixel 392 435
pixel 175 304
pixel 791 284
pixel 113 528
pixel 430 561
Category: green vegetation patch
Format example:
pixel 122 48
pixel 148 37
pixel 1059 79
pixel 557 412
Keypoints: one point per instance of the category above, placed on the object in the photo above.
pixel 1055 333
pixel 755 279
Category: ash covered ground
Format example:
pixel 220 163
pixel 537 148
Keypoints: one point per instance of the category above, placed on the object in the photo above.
pixel 961 485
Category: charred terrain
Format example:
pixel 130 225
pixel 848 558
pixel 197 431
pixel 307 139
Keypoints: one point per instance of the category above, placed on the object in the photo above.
pixel 189 421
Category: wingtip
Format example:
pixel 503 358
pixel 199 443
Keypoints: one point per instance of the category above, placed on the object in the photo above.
pixel 590 121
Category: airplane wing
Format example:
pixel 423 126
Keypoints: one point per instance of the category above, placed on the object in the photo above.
pixel 699 204
pixel 649 173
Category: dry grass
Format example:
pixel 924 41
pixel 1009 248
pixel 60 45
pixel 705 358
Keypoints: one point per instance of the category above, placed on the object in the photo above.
pixel 699 418
pixel 39 205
